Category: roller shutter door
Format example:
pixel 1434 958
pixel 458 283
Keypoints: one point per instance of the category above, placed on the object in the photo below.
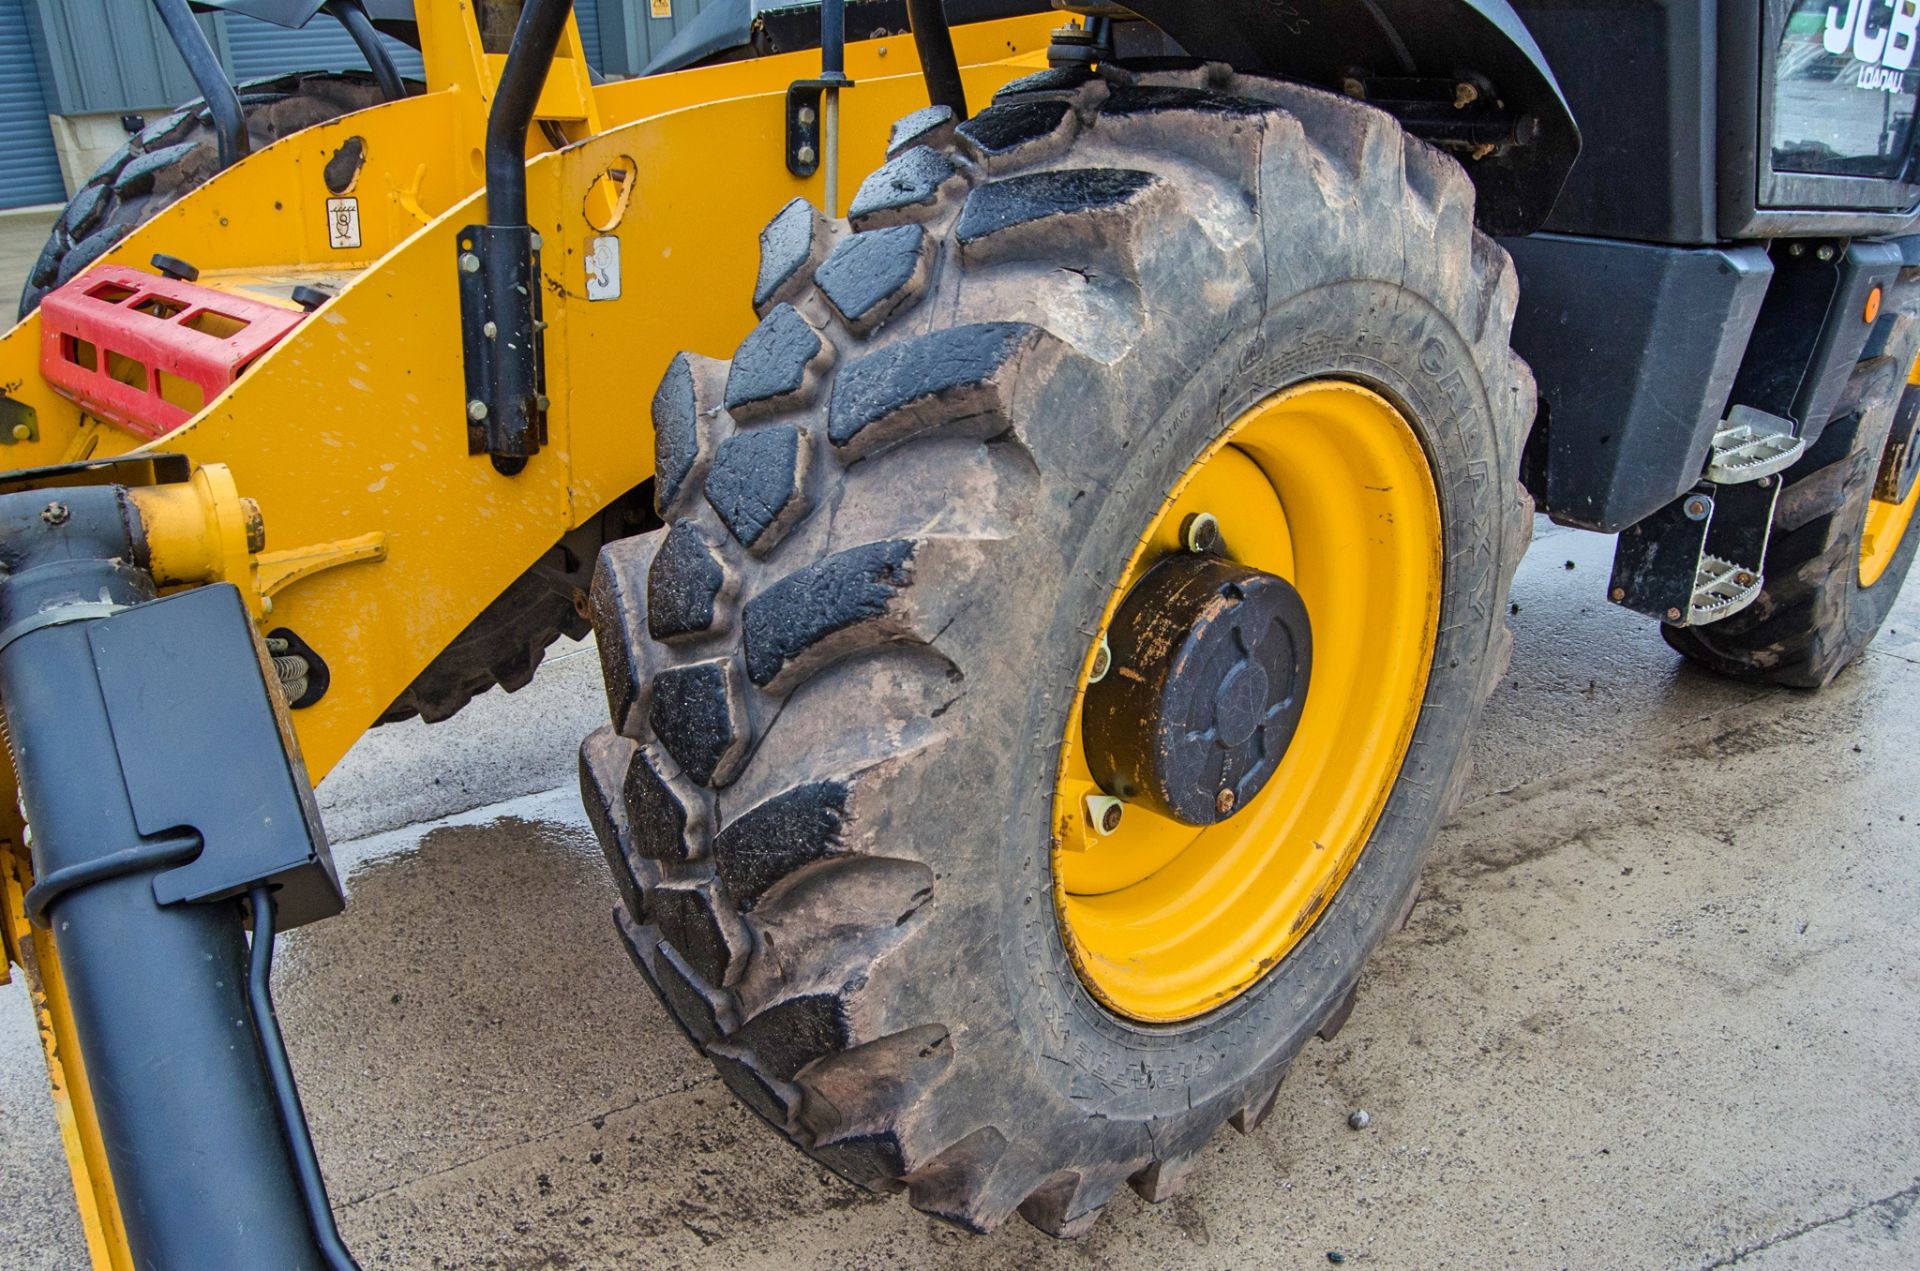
pixel 29 169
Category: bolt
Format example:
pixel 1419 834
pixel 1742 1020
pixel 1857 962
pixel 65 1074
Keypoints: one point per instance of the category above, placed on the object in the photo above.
pixel 804 154
pixel 1744 578
pixel 1102 662
pixel 1764 482
pixel 1223 802
pixel 266 604
pixel 1103 812
pixel 1796 249
pixel 490 330
pixel 1619 594
pixel 1200 533
pixel 1825 252
pixel 1673 615
pixel 469 263
pixel 22 432
pixel 56 513
pixel 537 242
pixel 1359 1119
pixel 541 402
pixel 806 116
pixel 476 410
pixel 256 526
pixel 1464 95
pixel 1698 506
pixel 1352 87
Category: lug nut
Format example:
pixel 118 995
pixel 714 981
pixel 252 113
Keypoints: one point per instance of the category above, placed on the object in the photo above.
pixel 1103 812
pixel 1200 532
pixel 1102 662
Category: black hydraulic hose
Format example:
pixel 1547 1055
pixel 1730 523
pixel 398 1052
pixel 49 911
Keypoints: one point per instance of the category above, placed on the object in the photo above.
pixel 229 121
pixel 353 16
pixel 833 39
pixel 529 58
pixel 286 1095
pixel 938 65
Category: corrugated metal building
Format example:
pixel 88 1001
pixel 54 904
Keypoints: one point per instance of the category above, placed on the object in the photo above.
pixel 86 63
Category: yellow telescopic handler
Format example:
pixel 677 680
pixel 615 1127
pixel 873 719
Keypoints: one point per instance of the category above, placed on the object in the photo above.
pixel 1044 593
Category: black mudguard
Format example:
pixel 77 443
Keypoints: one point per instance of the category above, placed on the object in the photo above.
pixel 1326 41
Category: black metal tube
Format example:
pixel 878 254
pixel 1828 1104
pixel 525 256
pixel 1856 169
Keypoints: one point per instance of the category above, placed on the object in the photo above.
pixel 535 40
pixel 833 39
pixel 286 1094
pixel 229 121
pixel 157 994
pixel 938 64
pixel 350 14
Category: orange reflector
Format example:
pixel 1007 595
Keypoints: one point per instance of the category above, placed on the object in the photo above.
pixel 1873 306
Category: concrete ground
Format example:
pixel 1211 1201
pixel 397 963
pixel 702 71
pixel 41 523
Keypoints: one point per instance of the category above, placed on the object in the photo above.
pixel 1657 1007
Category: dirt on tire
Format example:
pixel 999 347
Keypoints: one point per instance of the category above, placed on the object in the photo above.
pixel 838 676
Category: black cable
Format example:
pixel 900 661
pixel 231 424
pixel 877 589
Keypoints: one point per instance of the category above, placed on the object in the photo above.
pixel 350 14
pixel 286 1095
pixel 169 851
pixel 223 102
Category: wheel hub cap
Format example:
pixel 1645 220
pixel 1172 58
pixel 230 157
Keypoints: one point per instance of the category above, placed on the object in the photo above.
pixel 1210 667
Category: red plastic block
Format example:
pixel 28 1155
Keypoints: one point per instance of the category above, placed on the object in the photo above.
pixel 146 352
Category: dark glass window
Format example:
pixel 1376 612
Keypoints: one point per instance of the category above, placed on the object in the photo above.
pixel 1846 80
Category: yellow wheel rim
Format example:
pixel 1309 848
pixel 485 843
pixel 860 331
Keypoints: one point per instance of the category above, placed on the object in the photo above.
pixel 1326 485
pixel 1886 523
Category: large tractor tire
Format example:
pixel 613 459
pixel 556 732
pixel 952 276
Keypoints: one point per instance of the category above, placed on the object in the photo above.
pixel 1842 541
pixel 1108 371
pixel 172 156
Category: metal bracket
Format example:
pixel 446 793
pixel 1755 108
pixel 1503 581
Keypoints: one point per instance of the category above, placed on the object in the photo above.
pixel 1460 113
pixel 502 344
pixel 1699 559
pixel 804 141
pixel 229 776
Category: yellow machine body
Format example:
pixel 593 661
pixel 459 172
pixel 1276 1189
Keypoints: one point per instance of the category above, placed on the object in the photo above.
pixel 384 537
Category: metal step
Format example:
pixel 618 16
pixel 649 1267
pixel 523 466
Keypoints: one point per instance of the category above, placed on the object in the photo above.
pixel 1721 589
pixel 1751 444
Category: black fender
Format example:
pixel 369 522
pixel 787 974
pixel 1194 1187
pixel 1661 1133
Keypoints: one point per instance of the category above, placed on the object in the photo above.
pixel 1327 41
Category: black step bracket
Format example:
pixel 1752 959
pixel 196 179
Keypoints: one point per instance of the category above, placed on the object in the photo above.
pixel 804 124
pixel 503 345
pixel 1699 559
pixel 1751 443
pixel 201 747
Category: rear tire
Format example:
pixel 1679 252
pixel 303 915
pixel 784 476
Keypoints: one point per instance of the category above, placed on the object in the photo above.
pixel 172 156
pixel 1814 616
pixel 838 678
